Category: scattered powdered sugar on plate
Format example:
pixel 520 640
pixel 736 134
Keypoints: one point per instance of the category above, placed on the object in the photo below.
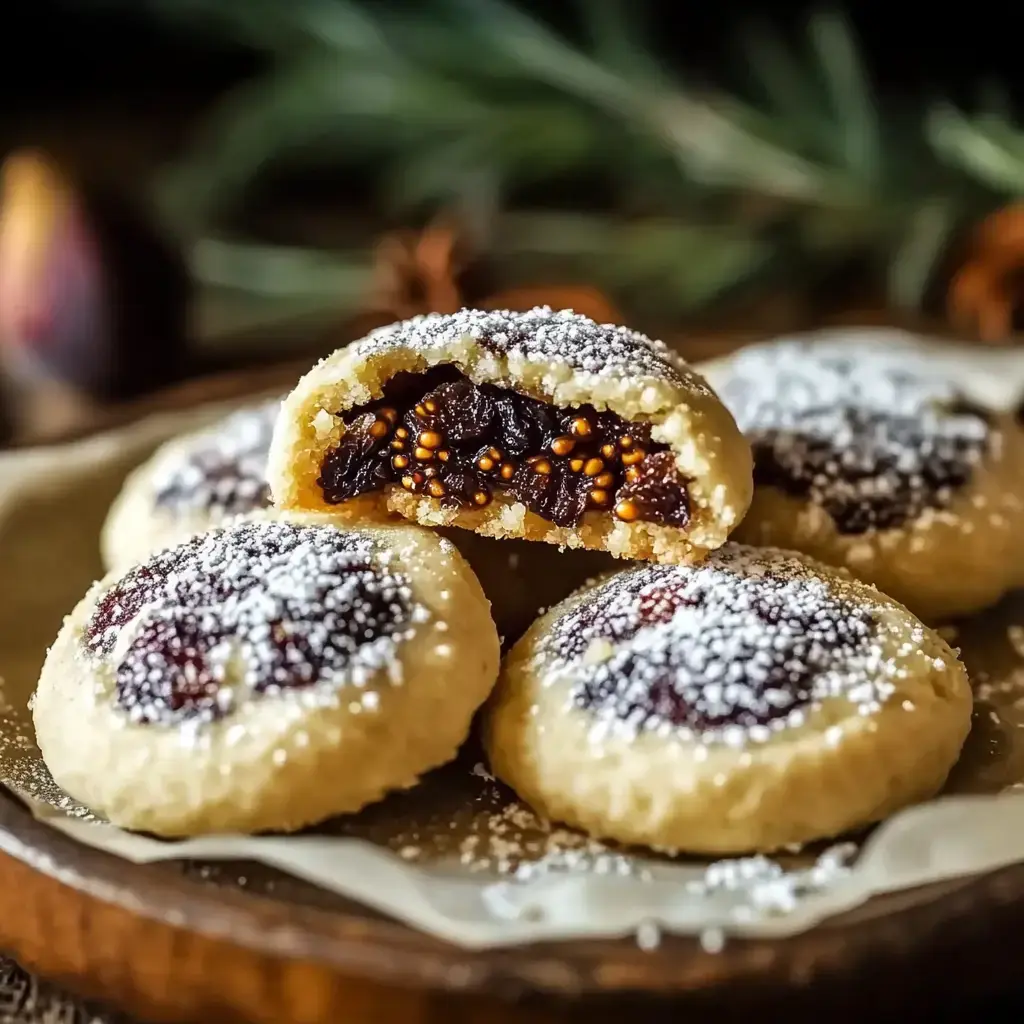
pixel 730 651
pixel 502 839
pixel 255 607
pixel 497 834
pixel 876 439
pixel 767 887
pixel 1015 635
pixel 737 890
pixel 648 935
pixel 22 768
pixel 991 647
pixel 221 470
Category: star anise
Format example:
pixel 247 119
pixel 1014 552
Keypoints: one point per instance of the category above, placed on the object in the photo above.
pixel 428 272
pixel 417 272
pixel 986 295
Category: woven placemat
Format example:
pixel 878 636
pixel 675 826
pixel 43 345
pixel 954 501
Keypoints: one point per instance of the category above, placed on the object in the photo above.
pixel 25 999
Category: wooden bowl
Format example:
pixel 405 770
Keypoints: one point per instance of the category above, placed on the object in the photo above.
pixel 167 942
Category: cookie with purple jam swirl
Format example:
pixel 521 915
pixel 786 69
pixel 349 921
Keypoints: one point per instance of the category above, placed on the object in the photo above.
pixel 190 484
pixel 539 425
pixel 265 676
pixel 871 456
pixel 755 701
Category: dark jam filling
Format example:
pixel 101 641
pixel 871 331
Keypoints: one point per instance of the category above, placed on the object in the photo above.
pixel 873 444
pixel 294 605
pixel 891 472
pixel 745 660
pixel 225 470
pixel 223 487
pixel 439 434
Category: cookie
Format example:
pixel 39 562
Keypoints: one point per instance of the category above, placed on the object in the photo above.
pixel 191 483
pixel 877 461
pixel 541 425
pixel 265 676
pixel 753 702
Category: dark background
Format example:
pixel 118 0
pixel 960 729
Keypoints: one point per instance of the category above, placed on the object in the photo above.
pixel 112 92
pixel 55 54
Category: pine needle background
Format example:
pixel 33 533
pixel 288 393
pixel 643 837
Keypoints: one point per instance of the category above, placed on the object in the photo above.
pixel 585 157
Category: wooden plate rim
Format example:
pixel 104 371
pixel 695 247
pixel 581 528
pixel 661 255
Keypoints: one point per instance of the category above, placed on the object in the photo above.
pixel 387 951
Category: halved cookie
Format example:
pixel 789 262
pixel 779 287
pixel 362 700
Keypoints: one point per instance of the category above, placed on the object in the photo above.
pixel 752 702
pixel 541 425
pixel 266 676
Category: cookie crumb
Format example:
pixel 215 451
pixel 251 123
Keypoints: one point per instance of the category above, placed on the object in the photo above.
pixel 648 936
pixel 1015 634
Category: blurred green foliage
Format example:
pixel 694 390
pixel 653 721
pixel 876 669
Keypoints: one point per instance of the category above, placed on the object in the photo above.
pixel 478 107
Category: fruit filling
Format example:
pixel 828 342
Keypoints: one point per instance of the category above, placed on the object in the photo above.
pixel 745 641
pixel 440 435
pixel 278 606
pixel 876 443
pixel 224 471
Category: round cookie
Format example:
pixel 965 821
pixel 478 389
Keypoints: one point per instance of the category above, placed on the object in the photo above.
pixel 540 425
pixel 753 702
pixel 190 484
pixel 265 676
pixel 876 460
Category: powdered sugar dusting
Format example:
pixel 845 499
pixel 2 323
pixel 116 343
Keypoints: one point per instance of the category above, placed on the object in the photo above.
pixel 730 651
pixel 876 439
pixel 255 607
pixel 223 470
pixel 541 335
pixel 769 888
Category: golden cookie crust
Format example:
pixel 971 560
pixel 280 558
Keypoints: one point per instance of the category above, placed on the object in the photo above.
pixel 558 357
pixel 371 718
pixel 581 725
pixel 948 558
